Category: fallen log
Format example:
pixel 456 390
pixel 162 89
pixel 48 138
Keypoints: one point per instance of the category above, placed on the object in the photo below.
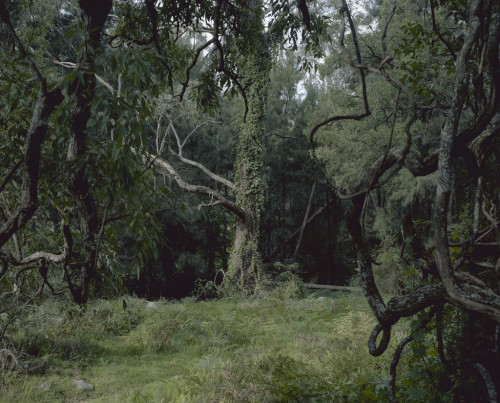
pixel 331 287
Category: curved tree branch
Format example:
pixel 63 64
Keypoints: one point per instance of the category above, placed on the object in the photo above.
pixel 5 17
pixel 402 344
pixel 168 169
pixel 438 33
pixel 45 105
pixel 472 300
pixel 394 365
pixel 200 166
pixel 45 256
pixel 490 385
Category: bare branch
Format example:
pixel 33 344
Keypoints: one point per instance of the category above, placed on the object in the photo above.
pixel 222 67
pixel 193 64
pixel 165 167
pixel 46 256
pixel 331 287
pixel 484 120
pixel 180 145
pixel 394 365
pixel 439 337
pixel 388 147
pixel 304 223
pixel 71 65
pixel 209 173
pixel 336 118
pixel 45 104
pixel 200 166
pixel 5 267
pixel 311 219
pixel 380 70
pixel 389 165
pixel 402 344
pixel 438 33
pixel 386 59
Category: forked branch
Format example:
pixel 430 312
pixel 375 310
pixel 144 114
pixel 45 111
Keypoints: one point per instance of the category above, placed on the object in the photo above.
pixel 178 154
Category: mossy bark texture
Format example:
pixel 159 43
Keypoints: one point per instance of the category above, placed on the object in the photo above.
pixel 245 261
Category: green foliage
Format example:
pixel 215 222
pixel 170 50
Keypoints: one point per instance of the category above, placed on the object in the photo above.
pixel 462 230
pixel 206 93
pixel 363 391
pixel 290 32
pixel 205 290
pixel 393 275
pixel 422 377
pixel 289 285
pixel 294 382
pixel 256 349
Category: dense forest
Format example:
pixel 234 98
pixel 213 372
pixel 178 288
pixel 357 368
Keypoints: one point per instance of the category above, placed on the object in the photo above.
pixel 228 149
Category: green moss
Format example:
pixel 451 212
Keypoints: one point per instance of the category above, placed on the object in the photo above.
pixel 245 264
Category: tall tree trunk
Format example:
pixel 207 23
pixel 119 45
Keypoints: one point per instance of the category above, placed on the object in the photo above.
pixel 245 259
pixel 94 14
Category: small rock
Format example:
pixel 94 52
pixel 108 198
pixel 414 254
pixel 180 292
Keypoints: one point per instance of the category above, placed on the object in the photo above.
pixel 82 385
pixel 321 298
pixel 151 305
pixel 44 386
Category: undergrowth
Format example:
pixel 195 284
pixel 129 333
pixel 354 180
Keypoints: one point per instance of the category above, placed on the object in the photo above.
pixel 271 348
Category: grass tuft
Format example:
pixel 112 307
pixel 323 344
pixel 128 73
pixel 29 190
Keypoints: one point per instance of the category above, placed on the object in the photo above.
pixel 274 348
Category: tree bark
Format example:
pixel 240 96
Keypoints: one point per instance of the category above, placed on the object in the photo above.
pixel 94 14
pixel 44 106
pixel 245 260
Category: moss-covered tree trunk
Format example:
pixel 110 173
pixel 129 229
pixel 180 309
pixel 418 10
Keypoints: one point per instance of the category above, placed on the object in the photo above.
pixel 245 261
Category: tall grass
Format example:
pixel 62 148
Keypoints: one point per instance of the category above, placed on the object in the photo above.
pixel 271 348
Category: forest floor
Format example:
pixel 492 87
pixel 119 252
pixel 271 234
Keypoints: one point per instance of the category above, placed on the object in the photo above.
pixel 271 348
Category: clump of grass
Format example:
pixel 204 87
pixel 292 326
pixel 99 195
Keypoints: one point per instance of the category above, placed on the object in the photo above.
pixel 269 349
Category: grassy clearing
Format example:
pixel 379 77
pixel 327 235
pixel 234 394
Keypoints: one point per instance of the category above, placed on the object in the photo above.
pixel 267 349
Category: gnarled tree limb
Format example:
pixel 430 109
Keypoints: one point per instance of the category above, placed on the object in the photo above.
pixel 167 168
